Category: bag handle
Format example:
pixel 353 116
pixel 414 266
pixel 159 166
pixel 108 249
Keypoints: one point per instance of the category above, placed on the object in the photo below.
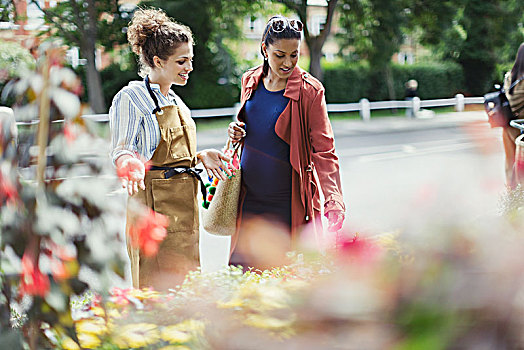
pixel 235 146
pixel 514 84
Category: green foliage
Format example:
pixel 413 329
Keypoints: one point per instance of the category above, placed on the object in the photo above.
pixel 481 21
pixel 474 33
pixel 214 81
pixel 480 35
pixel 501 70
pixel 347 83
pixel 351 82
pixel 430 18
pixel 14 62
pixel 115 78
pixel 7 10
pixel 373 29
pixel 86 24
pixel 73 21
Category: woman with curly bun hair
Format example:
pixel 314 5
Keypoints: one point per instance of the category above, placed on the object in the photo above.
pixel 151 125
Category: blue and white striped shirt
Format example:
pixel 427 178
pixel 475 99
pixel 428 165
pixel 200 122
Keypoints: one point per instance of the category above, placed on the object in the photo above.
pixel 134 128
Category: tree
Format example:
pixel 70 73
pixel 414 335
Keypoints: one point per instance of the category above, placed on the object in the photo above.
pixel 7 10
pixel 86 24
pixel 374 29
pixel 315 43
pixel 431 18
pixel 213 24
pixel 477 39
pixel 476 34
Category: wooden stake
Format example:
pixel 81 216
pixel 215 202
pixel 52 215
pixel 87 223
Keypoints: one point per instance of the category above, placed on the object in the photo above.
pixel 43 126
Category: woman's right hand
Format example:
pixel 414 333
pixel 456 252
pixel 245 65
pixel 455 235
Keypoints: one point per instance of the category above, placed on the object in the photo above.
pixel 236 131
pixel 131 172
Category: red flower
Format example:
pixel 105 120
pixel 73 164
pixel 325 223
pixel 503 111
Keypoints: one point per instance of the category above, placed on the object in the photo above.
pixel 32 280
pixel 148 231
pixel 8 191
pixel 356 248
pixel 69 133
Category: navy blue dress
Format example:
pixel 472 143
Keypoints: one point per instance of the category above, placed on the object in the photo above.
pixel 266 170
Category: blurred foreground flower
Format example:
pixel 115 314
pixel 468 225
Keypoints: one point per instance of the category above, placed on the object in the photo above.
pixel 148 231
pixel 136 335
pixel 52 171
pixel 32 280
pixel 8 190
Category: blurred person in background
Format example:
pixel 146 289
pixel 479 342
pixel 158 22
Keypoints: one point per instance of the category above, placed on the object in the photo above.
pixel 288 150
pixel 516 101
pixel 150 123
pixel 411 92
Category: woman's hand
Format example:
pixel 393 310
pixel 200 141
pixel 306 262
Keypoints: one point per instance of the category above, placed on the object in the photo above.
pixel 212 160
pixel 335 220
pixel 131 172
pixel 236 131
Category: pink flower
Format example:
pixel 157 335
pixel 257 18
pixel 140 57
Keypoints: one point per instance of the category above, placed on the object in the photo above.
pixel 148 231
pixel 119 296
pixel 32 280
pixel 356 249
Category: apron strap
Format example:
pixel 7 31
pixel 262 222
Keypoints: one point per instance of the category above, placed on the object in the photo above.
pixel 172 171
pixel 155 100
pixel 153 96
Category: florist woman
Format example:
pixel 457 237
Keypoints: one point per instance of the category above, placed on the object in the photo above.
pixel 150 123
pixel 288 148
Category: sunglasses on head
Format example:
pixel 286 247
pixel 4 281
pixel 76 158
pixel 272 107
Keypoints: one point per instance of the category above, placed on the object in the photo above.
pixel 279 24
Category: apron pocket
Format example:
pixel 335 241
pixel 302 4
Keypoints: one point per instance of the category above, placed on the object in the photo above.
pixel 176 199
pixel 179 146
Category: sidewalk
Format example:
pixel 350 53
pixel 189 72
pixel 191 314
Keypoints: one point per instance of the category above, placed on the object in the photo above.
pixel 386 125
pixel 377 125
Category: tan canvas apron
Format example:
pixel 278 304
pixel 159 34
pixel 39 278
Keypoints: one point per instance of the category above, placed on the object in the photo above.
pixel 175 197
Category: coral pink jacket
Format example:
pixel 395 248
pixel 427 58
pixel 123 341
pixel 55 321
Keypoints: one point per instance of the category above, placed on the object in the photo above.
pixel 306 110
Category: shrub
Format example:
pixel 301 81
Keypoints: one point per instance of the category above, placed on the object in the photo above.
pixel 347 83
pixel 351 82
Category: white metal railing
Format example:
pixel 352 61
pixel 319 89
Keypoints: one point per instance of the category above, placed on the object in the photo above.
pixel 364 107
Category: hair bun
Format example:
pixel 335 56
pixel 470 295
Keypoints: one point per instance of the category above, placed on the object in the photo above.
pixel 145 23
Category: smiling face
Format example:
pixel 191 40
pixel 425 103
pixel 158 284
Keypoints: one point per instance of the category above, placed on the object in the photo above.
pixel 282 56
pixel 176 69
